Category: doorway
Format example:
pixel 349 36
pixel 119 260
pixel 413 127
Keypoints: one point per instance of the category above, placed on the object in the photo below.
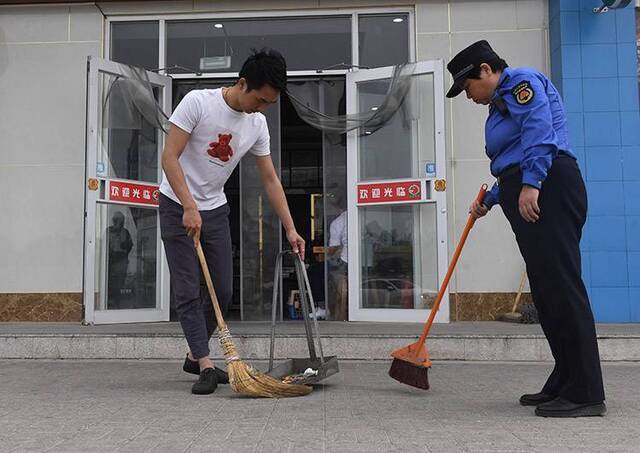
pixel 312 167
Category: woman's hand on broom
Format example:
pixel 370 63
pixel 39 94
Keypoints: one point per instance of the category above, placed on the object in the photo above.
pixel 296 241
pixel 478 209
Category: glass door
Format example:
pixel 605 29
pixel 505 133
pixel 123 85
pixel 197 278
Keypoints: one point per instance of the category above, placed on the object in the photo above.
pixel 396 201
pixel 125 272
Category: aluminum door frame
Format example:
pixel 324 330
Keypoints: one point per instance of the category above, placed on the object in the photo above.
pixel 95 66
pixel 356 313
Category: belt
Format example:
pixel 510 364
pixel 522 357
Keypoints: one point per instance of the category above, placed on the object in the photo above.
pixel 514 169
pixel 511 170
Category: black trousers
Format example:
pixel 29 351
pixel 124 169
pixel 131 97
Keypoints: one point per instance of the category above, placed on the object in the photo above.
pixel 188 292
pixel 551 250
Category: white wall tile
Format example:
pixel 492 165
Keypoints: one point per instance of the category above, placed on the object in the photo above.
pixel 41 228
pixel 86 23
pixel 467 129
pixel 34 23
pixel 432 16
pixel 152 7
pixel 483 15
pixel 518 48
pixel 490 261
pixel 43 103
pixel 433 46
pixel 532 13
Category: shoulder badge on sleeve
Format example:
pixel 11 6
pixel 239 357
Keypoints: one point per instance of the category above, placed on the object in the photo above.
pixel 523 92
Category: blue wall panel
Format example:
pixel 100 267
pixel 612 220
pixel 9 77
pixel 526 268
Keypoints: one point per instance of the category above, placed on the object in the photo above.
pixel 594 64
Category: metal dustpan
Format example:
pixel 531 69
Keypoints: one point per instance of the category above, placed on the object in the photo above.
pixel 320 366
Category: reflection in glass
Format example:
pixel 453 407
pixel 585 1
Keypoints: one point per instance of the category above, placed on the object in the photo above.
pixel 398 256
pixel 314 175
pixel 306 42
pixel 127 243
pixel 402 147
pixel 383 39
pixel 135 43
pixel 129 143
pixel 260 236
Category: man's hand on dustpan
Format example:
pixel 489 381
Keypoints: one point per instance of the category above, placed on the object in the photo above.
pixel 296 242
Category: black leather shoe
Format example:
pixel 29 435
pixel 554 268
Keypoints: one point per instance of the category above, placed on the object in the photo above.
pixel 533 399
pixel 207 383
pixel 192 366
pixel 561 407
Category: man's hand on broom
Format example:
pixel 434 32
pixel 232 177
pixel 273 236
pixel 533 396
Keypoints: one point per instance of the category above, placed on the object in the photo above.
pixel 192 222
pixel 297 243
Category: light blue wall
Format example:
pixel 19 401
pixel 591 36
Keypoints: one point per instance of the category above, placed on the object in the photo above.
pixel 594 64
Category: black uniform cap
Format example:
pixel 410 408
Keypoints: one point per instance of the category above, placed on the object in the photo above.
pixel 466 60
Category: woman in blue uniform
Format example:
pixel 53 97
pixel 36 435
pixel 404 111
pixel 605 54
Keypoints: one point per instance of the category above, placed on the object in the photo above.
pixel 541 192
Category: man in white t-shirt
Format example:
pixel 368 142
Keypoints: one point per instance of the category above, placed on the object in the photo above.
pixel 211 130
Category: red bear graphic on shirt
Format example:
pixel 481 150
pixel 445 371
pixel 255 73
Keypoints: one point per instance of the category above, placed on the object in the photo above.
pixel 221 149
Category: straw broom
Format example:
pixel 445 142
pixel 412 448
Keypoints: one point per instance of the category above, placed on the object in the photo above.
pixel 244 378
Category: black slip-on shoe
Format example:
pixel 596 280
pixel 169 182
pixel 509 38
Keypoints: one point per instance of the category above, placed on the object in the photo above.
pixel 207 382
pixel 192 366
pixel 561 407
pixel 533 399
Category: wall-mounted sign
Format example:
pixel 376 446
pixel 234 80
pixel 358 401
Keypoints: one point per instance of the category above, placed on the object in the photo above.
pixel 390 192
pixel 440 185
pixel 129 192
pixel 430 169
pixel 93 184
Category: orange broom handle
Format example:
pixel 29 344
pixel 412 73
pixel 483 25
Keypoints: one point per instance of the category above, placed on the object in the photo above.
pixel 452 265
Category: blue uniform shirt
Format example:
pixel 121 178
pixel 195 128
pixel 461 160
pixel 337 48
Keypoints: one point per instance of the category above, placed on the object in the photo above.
pixel 531 133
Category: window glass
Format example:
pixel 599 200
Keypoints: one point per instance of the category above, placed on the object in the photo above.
pixel 135 43
pixel 383 39
pixel 305 42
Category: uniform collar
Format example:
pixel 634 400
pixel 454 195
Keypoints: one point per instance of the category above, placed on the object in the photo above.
pixel 506 75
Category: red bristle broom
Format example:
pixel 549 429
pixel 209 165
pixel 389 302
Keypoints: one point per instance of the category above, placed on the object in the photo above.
pixel 411 364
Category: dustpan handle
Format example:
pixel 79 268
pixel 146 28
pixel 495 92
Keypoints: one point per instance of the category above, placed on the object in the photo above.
pixel 313 308
pixel 274 306
pixel 305 309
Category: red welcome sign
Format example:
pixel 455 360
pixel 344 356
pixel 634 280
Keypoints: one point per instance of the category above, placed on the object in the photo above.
pixel 390 192
pixel 129 192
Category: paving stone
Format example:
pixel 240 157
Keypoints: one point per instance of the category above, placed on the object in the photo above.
pixel 132 406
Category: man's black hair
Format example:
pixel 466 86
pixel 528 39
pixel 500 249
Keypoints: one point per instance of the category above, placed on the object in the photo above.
pixel 496 65
pixel 265 67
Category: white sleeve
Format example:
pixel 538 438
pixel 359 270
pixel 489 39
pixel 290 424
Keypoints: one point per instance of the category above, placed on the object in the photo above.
pixel 334 233
pixel 188 112
pixel 261 146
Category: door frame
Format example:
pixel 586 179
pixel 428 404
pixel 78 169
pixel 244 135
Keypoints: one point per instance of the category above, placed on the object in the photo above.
pixel 432 186
pixel 96 193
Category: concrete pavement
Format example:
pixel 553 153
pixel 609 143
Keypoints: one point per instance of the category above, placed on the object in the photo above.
pixel 81 406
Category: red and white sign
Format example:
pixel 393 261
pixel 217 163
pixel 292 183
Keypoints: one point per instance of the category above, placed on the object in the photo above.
pixel 129 192
pixel 390 192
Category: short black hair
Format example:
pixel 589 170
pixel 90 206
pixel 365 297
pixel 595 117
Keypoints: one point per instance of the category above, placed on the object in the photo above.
pixel 265 67
pixel 496 65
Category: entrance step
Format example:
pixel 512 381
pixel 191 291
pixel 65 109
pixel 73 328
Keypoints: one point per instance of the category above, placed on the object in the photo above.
pixel 493 341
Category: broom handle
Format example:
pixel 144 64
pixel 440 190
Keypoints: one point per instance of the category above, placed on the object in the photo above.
pixel 520 288
pixel 452 265
pixel 212 292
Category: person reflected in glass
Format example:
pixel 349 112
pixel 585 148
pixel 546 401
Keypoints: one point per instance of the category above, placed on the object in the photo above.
pixel 338 254
pixel 120 245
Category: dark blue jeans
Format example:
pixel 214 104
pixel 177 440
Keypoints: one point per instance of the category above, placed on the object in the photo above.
pixel 189 293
